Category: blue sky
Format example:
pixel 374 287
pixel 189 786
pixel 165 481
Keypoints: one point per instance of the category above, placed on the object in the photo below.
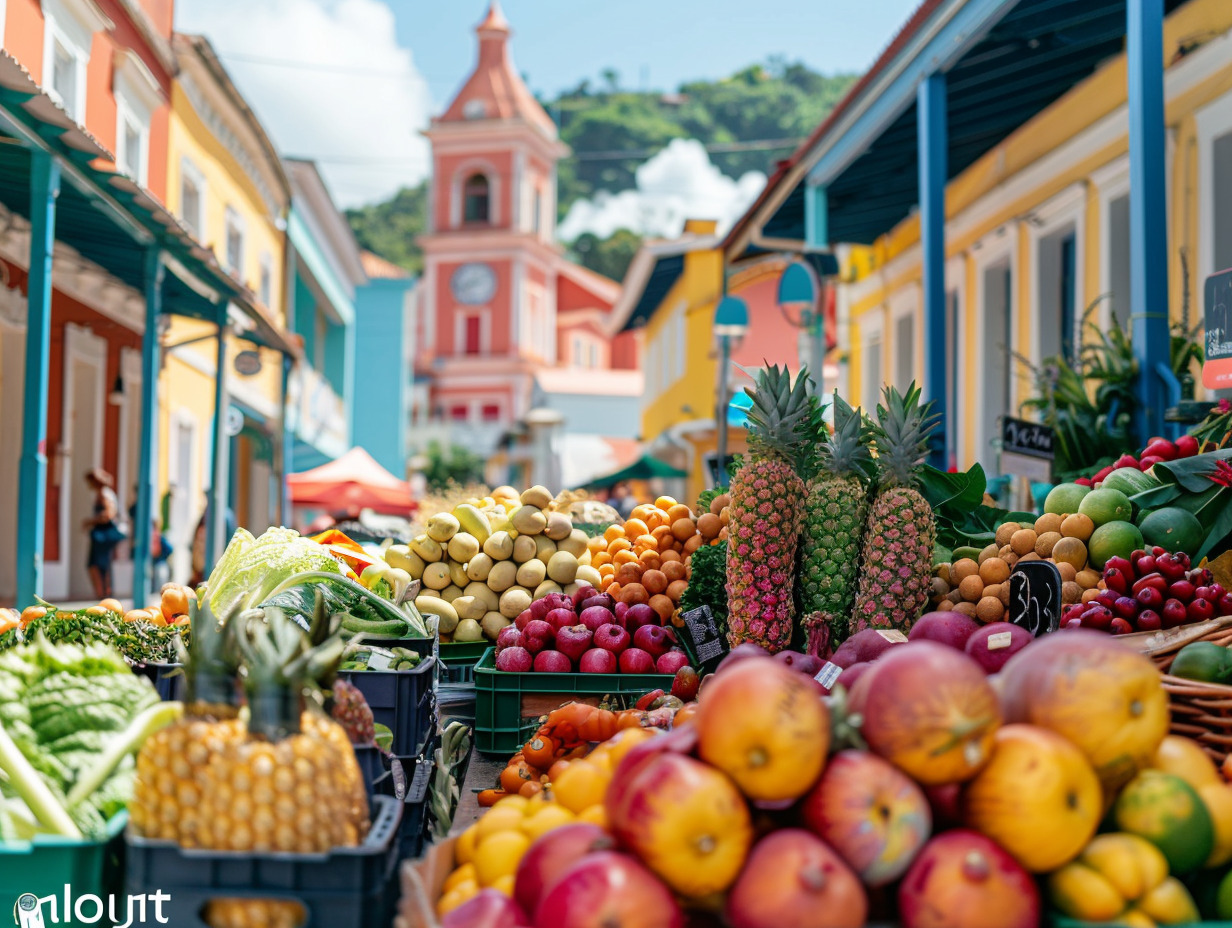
pixel 353 82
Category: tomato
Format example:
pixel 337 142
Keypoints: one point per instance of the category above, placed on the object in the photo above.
pixel 175 601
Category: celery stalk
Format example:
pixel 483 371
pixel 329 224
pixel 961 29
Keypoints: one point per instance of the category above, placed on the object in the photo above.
pixel 33 790
pixel 153 719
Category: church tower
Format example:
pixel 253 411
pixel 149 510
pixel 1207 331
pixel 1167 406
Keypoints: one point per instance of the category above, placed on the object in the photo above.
pixel 489 313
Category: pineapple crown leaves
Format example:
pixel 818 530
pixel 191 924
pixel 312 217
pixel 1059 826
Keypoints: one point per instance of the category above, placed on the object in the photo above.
pixel 278 652
pixel 847 449
pixel 210 662
pixel 901 435
pixel 781 412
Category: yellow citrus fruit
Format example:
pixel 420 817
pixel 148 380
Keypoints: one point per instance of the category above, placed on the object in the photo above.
pixel 464 874
pixel 547 818
pixel 601 759
pixel 498 819
pixel 463 892
pixel 595 815
pixel 464 847
pixel 624 741
pixel 581 786
pixel 513 802
pixel 505 885
pixel 498 855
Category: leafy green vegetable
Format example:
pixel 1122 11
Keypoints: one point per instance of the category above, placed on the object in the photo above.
pixel 708 582
pixel 296 596
pixel 1198 485
pixel 252 569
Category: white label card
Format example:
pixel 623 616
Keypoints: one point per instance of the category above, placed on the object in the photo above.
pixel 892 635
pixel 828 674
pixel 380 660
pixel 1000 640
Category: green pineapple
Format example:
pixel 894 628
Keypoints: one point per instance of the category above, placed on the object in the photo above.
pixel 898 541
pixel 835 513
pixel 766 496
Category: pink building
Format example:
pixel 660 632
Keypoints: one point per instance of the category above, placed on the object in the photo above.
pixel 500 303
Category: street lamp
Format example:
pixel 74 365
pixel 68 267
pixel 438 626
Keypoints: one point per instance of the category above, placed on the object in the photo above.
pixel 731 320
pixel 798 293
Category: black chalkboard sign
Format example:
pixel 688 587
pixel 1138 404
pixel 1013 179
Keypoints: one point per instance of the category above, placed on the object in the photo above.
pixel 703 639
pixel 1018 436
pixel 1217 342
pixel 1035 597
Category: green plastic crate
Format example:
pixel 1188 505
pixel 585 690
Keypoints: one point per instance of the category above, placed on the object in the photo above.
pixel 458 660
pixel 47 864
pixel 508 705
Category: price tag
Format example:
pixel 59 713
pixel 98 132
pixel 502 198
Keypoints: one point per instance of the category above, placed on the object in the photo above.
pixel 828 674
pixel 1035 597
pixel 1000 640
pixel 892 635
pixel 1217 368
pixel 704 639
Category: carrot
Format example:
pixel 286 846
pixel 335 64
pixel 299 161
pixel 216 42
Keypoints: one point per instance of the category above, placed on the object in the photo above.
pixel 490 797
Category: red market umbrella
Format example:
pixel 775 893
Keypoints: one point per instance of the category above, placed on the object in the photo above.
pixel 351 483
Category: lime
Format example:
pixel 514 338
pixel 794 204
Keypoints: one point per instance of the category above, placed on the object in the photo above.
pixel 1106 506
pixel 1064 498
pixel 1113 539
pixel 1174 529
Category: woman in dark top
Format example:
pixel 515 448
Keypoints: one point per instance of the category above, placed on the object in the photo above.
pixel 103 529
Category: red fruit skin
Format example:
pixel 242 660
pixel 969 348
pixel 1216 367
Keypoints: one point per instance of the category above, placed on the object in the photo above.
pixel 1182 590
pixel 740 652
pixel 1206 592
pixel 597 660
pixel 866 645
pixel 1200 576
pixel 612 638
pixel 963 880
pixel 1098 616
pixel 1154 581
pixel 635 660
pixel 552 662
pixel 1170 567
pixel 1125 607
pixel 1217 590
pixel 1150 598
pixel 685 684
pixel 1149 621
pixel 608 890
pixel 993 660
pixel 847 679
pixel 1100 475
pixel 1107 598
pixel 1200 610
pixel 508 637
pixel 561 617
pixel 551 855
pixel 806 664
pixel 538 636
pixel 1145 565
pixel 1186 446
pixel 1224 606
pixel 1120 627
pixel 1173 613
pixel 490 908
pixel 595 617
pixel 573 641
pixel 1085 482
pixel 1073 623
pixel 515 660
pixel 949 628
pixel 1182 558
pixel 1161 449
pixel 1114 579
pixel 1149 461
pixel 1124 565
pixel 1134 558
pixel 671 662
pixel 653 640
pixel 1125 460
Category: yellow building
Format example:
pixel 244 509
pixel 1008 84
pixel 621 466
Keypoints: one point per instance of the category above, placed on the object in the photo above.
pixel 226 183
pixel 1036 208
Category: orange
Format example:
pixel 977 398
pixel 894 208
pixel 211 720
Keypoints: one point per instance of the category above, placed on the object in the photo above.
pixel 642 512
pixel 499 854
pixel 497 819
pixel 545 820
pixel 582 785
pixel 656 519
pixel 635 527
pixel 464 847
pixel 595 815
pixel 504 885
pixel 679 511
pixel 620 544
pixel 619 744
pixel 596 543
pixel 612 532
pixel 624 556
pixel 464 874
pixel 665 503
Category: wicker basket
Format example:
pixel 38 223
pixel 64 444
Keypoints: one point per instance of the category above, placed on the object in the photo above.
pixel 1162 647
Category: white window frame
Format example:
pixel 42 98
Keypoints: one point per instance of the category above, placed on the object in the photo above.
pixel 956 283
pixel 577 351
pixel 1213 121
pixel 906 302
pixel 233 221
pixel 999 246
pixel 137 96
pixel 71 24
pixel 265 279
pixel 1069 207
pixel 191 173
pixel 1112 183
pixel 872 325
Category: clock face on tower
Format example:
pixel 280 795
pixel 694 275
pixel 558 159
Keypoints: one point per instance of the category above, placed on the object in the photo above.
pixel 473 283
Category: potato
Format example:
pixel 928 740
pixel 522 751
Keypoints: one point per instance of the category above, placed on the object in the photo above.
pixel 563 567
pixel 442 527
pixel 403 557
pixel 499 546
pixel 514 601
pixel 559 526
pixel 436 576
pixel 492 624
pixel 468 630
pixel 546 587
pixel 524 548
pixel 445 612
pixel 428 549
pixel 478 567
pixel 457 573
pixel 532 573
pixel 529 521
pixel 451 592
pixel 545 547
pixel 537 496
pixel 502 576
pixel 469 607
pixel 463 547
pixel 484 593
pixel 575 544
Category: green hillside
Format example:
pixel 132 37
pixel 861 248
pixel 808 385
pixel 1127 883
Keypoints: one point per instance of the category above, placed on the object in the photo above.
pixel 747 121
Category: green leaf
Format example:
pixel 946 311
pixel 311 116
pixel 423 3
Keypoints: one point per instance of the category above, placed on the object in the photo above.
pixel 1192 473
pixel 383 737
pixel 964 491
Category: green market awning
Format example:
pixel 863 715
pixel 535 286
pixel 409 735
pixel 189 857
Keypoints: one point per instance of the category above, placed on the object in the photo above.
pixel 644 468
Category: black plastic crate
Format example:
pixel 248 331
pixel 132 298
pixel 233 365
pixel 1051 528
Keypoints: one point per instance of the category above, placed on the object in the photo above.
pixel 401 700
pixel 371 765
pixel 413 832
pixel 344 888
pixel 167 679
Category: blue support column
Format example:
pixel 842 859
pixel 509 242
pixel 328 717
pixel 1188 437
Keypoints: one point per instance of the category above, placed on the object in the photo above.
pixel 147 468
pixel 219 501
pixel 816 217
pixel 32 479
pixel 933 145
pixel 1148 220
pixel 286 443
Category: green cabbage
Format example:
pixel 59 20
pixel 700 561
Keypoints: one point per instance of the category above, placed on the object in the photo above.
pixel 250 569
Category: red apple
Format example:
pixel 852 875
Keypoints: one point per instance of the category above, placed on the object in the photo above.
pixel 508 637
pixel 515 660
pixel 638 615
pixel 489 909
pixel 552 662
pixel 561 618
pixel 594 616
pixel 608 890
pixel 573 641
pixel 537 635
pixel 792 876
pixel 597 660
pixel 612 638
pixel 972 881
pixel 950 628
pixel 552 854
pixel 685 684
pixel 653 640
pixel 635 660
pixel 993 645
pixel 671 662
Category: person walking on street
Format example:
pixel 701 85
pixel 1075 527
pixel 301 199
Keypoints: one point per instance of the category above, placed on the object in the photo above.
pixel 104 529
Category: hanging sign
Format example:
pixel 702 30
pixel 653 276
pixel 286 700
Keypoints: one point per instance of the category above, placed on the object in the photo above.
pixel 1035 597
pixel 1217 369
pixel 248 363
pixel 1026 449
pixel 703 639
pixel 235 421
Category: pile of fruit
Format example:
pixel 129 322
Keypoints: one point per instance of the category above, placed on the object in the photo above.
pixel 588 632
pixel 1157 449
pixel 484 563
pixel 1149 590
pixel 645 560
pixel 1057 787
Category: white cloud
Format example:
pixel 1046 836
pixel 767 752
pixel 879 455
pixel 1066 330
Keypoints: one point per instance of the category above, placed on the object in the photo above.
pixel 356 105
pixel 678 183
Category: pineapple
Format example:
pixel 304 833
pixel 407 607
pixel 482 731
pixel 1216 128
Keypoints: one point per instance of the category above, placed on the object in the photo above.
pixel 167 791
pixel 766 496
pixel 352 712
pixel 898 540
pixel 834 516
